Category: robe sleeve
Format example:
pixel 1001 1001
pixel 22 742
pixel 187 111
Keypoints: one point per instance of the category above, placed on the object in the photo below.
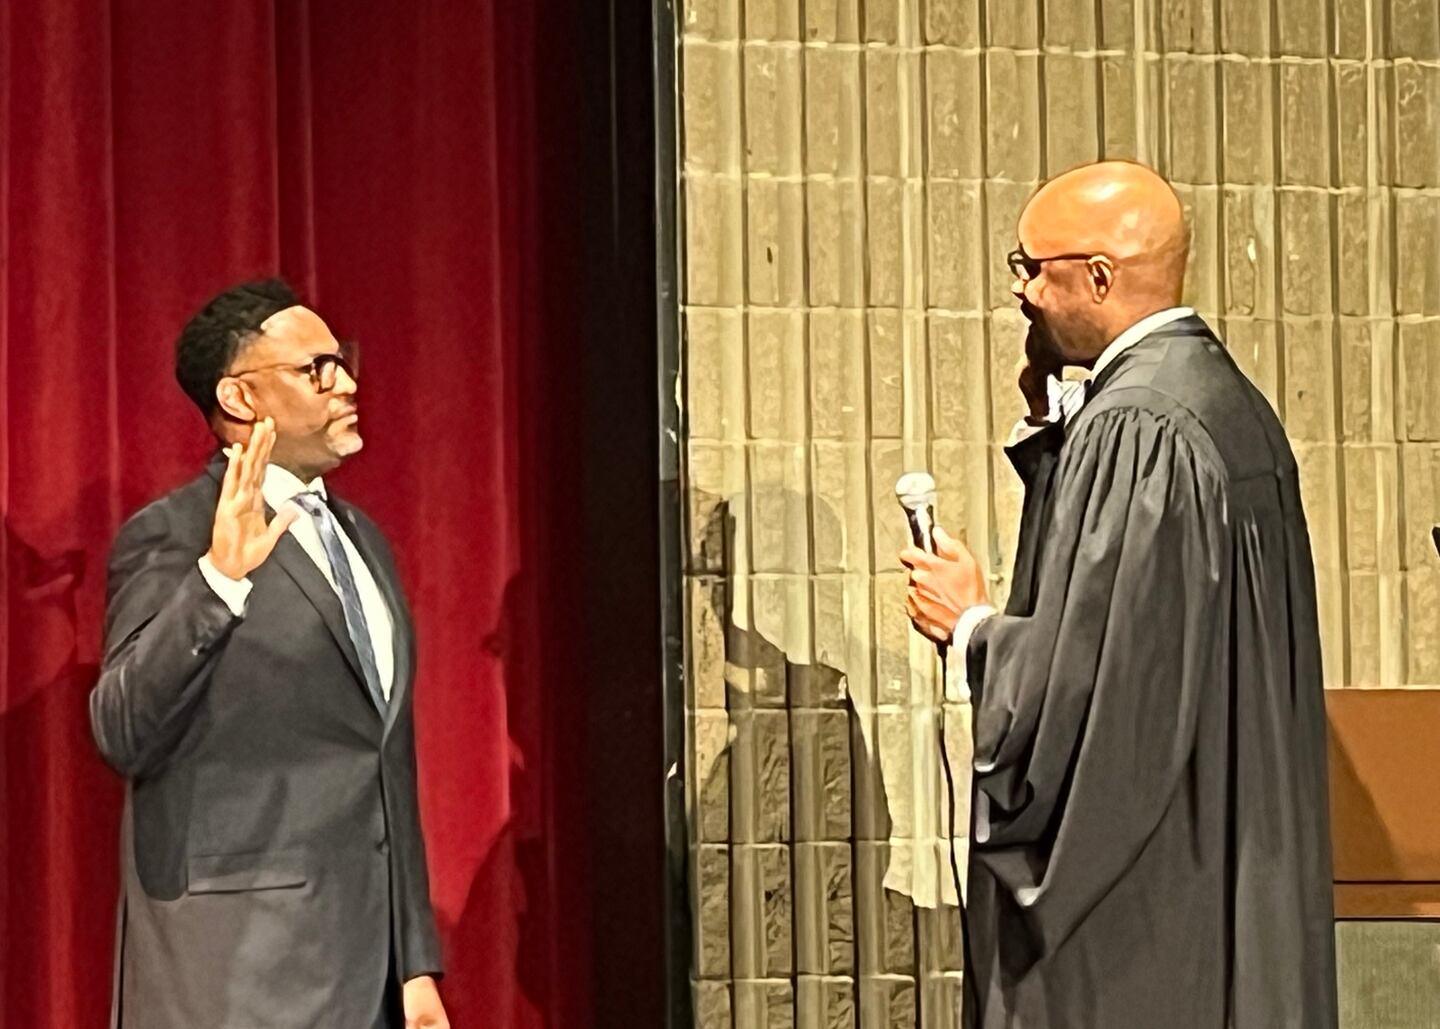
pixel 1085 708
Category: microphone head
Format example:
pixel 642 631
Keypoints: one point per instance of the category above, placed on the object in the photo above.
pixel 915 490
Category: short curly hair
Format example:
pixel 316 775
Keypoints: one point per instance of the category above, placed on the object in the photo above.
pixel 210 340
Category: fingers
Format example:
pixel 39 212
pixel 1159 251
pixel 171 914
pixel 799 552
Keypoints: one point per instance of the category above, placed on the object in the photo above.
pixel 280 524
pixel 231 482
pixel 947 547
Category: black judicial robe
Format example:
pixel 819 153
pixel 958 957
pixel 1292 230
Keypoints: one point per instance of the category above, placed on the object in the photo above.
pixel 1150 838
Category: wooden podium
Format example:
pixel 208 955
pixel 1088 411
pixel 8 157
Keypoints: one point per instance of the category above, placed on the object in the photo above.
pixel 1385 802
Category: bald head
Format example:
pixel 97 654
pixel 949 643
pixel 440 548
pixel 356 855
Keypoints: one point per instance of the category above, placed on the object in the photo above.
pixel 1116 208
pixel 1128 220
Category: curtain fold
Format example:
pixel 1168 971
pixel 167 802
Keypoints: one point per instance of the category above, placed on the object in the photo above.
pixel 382 158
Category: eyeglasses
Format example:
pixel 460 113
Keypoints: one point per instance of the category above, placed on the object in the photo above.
pixel 1024 267
pixel 323 370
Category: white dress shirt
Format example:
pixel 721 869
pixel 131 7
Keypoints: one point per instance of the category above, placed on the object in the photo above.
pixel 279 488
pixel 1066 400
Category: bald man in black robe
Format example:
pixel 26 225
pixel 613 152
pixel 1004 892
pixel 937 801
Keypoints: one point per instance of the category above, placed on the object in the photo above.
pixel 1150 843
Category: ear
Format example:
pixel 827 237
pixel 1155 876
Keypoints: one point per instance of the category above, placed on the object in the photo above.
pixel 235 400
pixel 1102 277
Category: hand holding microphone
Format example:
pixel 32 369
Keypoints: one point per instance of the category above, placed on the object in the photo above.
pixel 945 578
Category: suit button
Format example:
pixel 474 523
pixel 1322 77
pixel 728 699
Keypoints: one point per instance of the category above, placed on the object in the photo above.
pixel 383 847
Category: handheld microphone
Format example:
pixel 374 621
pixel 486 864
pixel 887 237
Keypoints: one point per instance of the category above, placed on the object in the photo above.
pixel 916 493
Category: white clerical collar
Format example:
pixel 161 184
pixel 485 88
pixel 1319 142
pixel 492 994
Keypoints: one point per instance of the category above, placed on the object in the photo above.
pixel 1136 333
pixel 282 485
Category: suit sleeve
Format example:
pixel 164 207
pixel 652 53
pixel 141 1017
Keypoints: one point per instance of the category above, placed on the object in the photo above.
pixel 164 629
pixel 1085 708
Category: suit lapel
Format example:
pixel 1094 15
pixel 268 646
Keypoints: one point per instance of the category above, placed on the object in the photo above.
pixel 291 556
pixel 387 579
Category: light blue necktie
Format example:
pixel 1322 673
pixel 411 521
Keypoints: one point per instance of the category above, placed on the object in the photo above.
pixel 314 505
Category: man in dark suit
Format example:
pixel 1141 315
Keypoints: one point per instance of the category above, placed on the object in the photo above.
pixel 256 695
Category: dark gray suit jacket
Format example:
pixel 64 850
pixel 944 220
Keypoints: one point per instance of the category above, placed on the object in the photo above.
pixel 271 853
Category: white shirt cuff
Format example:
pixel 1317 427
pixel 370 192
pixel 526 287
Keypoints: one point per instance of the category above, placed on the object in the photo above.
pixel 957 678
pixel 1065 399
pixel 235 592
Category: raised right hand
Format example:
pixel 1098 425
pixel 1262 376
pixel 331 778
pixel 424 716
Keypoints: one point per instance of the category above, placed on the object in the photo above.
pixel 241 540
pixel 1037 367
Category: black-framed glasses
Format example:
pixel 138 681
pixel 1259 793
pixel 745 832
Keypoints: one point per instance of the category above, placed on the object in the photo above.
pixel 1024 267
pixel 323 370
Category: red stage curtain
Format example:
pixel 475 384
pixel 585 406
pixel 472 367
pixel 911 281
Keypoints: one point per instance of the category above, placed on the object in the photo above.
pixel 382 156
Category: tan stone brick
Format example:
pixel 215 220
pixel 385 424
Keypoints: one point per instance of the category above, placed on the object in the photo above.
pixel 1245 27
pixel 706 613
pixel 1202 274
pixel 714 374
pixel 760 776
pixel 952 100
pixel 1253 345
pixel 885 340
pixel 832 21
pixel 824 1002
pixel 870 809
pixel 1304 120
pixel 884 21
pixel 1359 363
pixel 1302 27
pixel 1420 478
pixel 1422 610
pixel 824 909
pixel 837 375
pixel 1371 516
pixel 711 106
pixel 714 241
pixel 710 19
pixel 883 918
pixel 1013 112
pixel 958 378
pixel 951 22
pixel 773 106
pixel 764 1004
pixel 1305 243
pixel 1116 27
pixel 1320 492
pixel 1417 239
pixel 709 774
pixel 1249 240
pixel 896 744
pixel 712 1005
pixel 892 636
pixel 1190 141
pixel 838 485
pixel 1352 110
pixel 1072 120
pixel 888 1002
pixel 1008 329
pixel 893 113
pixel 1188 26
pixel 1420 380
pixel 1417 106
pixel 1309 381
pixel 1355 219
pixel 835 238
pixel 1363 627
pixel 1352 31
pixel 1414 29
pixel 956 252
pixel 716 474
pixel 1117 87
pixel 781 617
pixel 779 534
pixel 962 473
pixel 772 19
pixel 894 216
pixel 775 238
pixel 1069 24
pixel 940 944
pixel 1012 24
pixel 832 112
pixel 710 904
pixel 1249 147
pixel 820 744
pixel 942 995
pixel 775 359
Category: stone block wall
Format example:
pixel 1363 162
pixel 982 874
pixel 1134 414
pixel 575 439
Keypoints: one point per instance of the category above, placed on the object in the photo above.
pixel 851 172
